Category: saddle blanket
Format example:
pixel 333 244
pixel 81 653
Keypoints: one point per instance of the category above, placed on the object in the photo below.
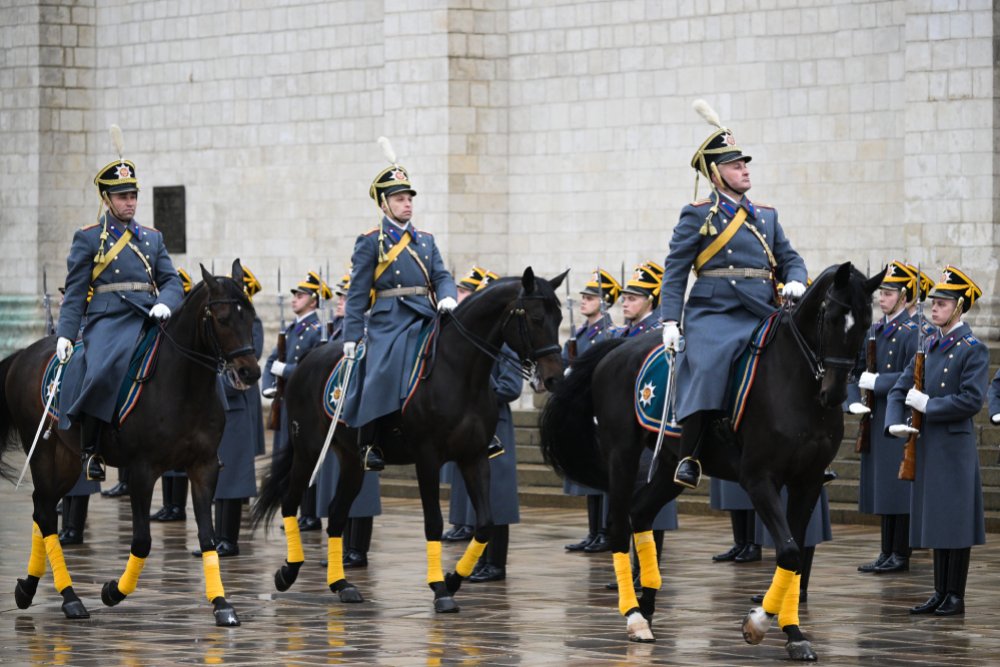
pixel 140 369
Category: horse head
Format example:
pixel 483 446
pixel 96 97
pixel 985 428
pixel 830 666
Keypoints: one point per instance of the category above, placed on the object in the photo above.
pixel 226 325
pixel 531 328
pixel 834 317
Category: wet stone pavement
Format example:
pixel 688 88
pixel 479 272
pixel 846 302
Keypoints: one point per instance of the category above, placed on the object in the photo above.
pixel 552 610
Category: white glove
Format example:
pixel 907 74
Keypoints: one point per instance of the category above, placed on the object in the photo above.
pixel 269 392
pixel 793 289
pixel 278 368
pixel 350 349
pixel 569 369
pixel 900 430
pixel 446 305
pixel 917 400
pixel 671 335
pixel 160 312
pixel 995 418
pixel 858 409
pixel 867 380
pixel 64 349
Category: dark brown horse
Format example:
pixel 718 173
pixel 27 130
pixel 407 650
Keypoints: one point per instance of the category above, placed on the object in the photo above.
pixel 177 424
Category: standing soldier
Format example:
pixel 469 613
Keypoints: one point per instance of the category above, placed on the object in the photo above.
pixel 946 505
pixel 398 276
pixel 924 285
pixel 301 336
pixel 597 296
pixel 880 491
pixel 995 399
pixel 739 253
pixel 133 281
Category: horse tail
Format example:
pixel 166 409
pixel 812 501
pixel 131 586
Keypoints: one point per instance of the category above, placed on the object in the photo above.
pixel 272 488
pixel 568 437
pixel 9 438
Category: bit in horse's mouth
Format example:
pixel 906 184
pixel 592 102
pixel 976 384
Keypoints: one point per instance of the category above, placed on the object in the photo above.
pixel 233 378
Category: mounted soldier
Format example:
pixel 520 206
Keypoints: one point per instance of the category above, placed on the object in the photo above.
pixel 739 253
pixel 119 276
pixel 398 277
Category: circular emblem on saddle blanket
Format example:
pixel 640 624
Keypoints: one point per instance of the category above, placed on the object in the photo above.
pixel 647 393
pixel 335 394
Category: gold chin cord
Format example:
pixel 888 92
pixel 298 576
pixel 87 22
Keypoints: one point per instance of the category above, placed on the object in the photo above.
pixel 99 257
pixel 381 228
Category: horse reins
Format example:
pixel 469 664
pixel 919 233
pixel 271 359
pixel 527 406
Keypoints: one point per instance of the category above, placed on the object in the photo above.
pixel 816 361
pixel 219 360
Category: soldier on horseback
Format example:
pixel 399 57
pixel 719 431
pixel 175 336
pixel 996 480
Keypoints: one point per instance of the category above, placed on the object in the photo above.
pixel 398 276
pixel 119 277
pixel 739 253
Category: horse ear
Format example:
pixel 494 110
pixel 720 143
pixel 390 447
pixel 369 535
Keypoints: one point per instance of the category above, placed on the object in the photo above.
pixel 843 276
pixel 208 277
pixel 871 284
pixel 237 272
pixel 528 280
pixel 558 280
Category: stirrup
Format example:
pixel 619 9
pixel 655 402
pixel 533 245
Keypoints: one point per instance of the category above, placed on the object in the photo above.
pixel 371 459
pixel 94 468
pixel 687 480
pixel 495 448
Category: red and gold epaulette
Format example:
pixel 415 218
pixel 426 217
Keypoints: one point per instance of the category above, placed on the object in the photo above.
pixel 701 202
pixel 86 227
pixel 759 205
pixel 373 230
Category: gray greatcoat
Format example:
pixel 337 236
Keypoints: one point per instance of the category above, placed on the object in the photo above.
pixel 243 432
pixel 818 529
pixel 114 320
pixel 721 313
pixel 300 337
pixel 379 384
pixel 995 395
pixel 880 491
pixel 946 506
pixel 728 496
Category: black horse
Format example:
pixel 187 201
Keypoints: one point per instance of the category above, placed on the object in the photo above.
pixel 177 424
pixel 791 431
pixel 451 416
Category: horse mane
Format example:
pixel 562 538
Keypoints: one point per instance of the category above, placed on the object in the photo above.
pixel 470 301
pixel 859 300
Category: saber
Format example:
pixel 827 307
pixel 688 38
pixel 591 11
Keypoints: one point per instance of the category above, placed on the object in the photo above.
pixel 333 424
pixel 668 404
pixel 53 387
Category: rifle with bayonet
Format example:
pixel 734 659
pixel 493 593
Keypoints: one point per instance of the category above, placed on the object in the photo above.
pixel 50 325
pixel 323 335
pixel 571 343
pixel 274 420
pixel 908 466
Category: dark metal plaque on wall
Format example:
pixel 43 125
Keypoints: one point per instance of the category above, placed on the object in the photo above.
pixel 169 217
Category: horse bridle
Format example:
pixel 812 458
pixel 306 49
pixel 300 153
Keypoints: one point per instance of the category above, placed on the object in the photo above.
pixel 818 361
pixel 219 359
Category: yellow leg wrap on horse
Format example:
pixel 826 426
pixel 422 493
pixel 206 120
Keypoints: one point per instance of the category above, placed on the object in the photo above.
pixel 789 614
pixel 469 558
pixel 434 572
pixel 36 562
pixel 334 559
pixel 130 579
pixel 779 587
pixel 213 580
pixel 649 569
pixel 294 540
pixel 623 574
pixel 59 572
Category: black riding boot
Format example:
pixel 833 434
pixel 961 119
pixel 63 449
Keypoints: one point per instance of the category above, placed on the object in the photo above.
pixel 899 561
pixel 958 573
pixel 167 488
pixel 688 473
pixel 493 564
pixel 90 440
pixel 358 540
pixel 307 511
pixel 371 455
pixel 751 552
pixel 738 519
pixel 74 520
pixel 941 558
pixel 593 523
pixel 888 523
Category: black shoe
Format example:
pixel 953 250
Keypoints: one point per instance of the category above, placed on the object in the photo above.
pixel 829 475
pixel 118 490
pixel 750 554
pixel 600 544
pixel 458 534
pixel 307 523
pixel 225 549
pixel 70 536
pixel 688 473
pixel 495 448
pixel 94 466
pixel 894 563
pixel 373 459
pixel 933 602
pixel 169 513
pixel 488 572
pixel 878 562
pixel 582 544
pixel 729 555
pixel 355 558
pixel 951 606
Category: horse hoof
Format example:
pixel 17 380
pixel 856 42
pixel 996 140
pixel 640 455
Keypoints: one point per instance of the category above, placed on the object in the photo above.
pixel 75 609
pixel 638 628
pixel 801 651
pixel 453 580
pixel 110 595
pixel 24 593
pixel 280 582
pixel 349 593
pixel 225 617
pixel 445 605
pixel 755 625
